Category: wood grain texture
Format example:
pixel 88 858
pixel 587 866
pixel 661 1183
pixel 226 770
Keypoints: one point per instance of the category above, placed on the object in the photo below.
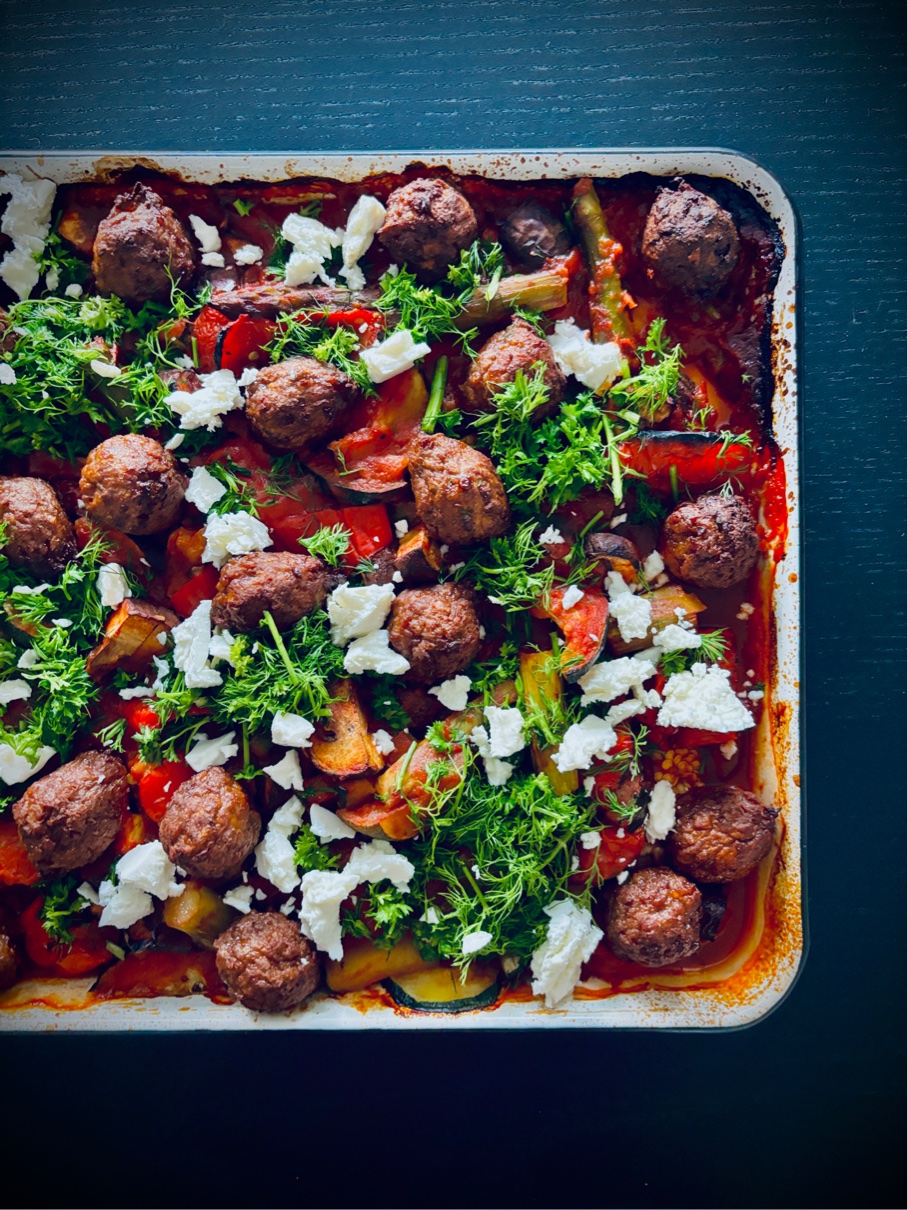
pixel 814 92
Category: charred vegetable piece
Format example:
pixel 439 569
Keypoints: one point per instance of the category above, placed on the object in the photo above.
pixel 693 458
pixel 342 745
pixel 418 557
pixel 542 684
pixel 663 603
pixel 200 913
pixel 608 303
pixel 364 963
pixel 542 291
pixel 583 626
pixel 162 973
pixel 613 553
pixel 131 637
pixel 441 990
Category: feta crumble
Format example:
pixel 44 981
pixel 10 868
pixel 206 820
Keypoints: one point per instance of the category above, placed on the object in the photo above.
pixel 248 254
pixel 240 898
pixel 675 638
pixel 571 937
pixel 590 840
pixel 204 490
pixel 453 693
pixel 660 818
pixel 274 854
pixel 326 825
pixel 595 365
pixel 363 222
pixel 26 220
pixel 15 690
pixel 218 395
pixel 208 236
pixel 113 587
pixel 7 374
pixel 392 356
pixel 573 595
pixel 233 534
pixel 653 565
pixel 191 642
pixel 15 768
pixel 383 741
pixel 213 260
pixel 474 942
pixel 613 678
pixel 313 244
pixel 505 730
pixel 287 772
pixel 584 741
pixel 703 699
pixel 633 614
pixel 144 871
pixel 373 653
pixel 401 528
pixel 207 753
pixel 551 537
pixel 291 731
pixel 356 612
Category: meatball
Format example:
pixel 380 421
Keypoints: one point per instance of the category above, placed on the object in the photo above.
pixel 267 963
pixel 9 961
pixel 517 347
pixel 39 535
pixel 141 248
pixel 132 483
pixel 436 629
pixel 427 225
pixel 287 585
pixel 721 834
pixel 531 234
pixel 711 542
pixel 209 828
pixel 458 494
pixel 654 919
pixel 68 818
pixel 297 401
pixel 689 242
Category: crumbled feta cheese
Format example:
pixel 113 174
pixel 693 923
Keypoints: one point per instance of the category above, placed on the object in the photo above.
pixel 392 356
pixel 204 490
pixel 52 278
pixel 505 730
pixel 15 768
pixel 326 825
pixel 204 408
pixel 104 369
pixel 396 577
pixel 729 749
pixel 756 695
pixel 401 527
pixel 233 534
pixel 675 638
pixel 703 699
pixel 633 614
pixel 149 868
pixel 571 938
pixel 206 753
pixel 325 890
pixel 584 741
pixel 213 260
pixel 26 220
pixel 113 587
pixel 618 519
pixel 27 659
pixel 498 772
pixel 7 374
pixel 624 710
pixel 247 377
pixel 613 678
pixel 291 731
pixel 239 897
pixel 589 786
pixel 622 878
pixel 73 290
pixel 65 623
pixel 124 904
pixel 572 596
pixel 313 244
pixel 25 590
pixel 660 818
pixel 136 691
pixel 373 653
pixel 175 442
pixel 595 365
pixel 15 690
pixel 653 565
pixel 357 612
pixel 364 220
pixel 383 742
pixel 191 641
pixel 86 891
pixel 248 254
pixel 430 916
pixel 474 942
pixel 274 854
pixel 453 693
pixel 220 646
pixel 287 772
pixel 551 537
pixel 209 237
pixel 590 840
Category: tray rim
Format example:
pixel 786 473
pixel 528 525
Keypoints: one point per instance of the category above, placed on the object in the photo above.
pixel 679 1011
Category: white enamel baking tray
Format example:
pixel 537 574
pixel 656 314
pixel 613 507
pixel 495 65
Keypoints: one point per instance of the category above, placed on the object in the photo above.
pixel 760 974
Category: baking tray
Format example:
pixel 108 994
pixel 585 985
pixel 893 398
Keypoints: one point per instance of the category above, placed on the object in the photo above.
pixel 760 973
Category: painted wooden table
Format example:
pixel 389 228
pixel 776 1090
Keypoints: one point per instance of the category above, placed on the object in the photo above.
pixel 803 1110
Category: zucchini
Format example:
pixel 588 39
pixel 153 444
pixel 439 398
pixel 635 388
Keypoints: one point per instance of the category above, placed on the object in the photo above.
pixel 440 990
pixel 664 602
pixel 364 963
pixel 541 684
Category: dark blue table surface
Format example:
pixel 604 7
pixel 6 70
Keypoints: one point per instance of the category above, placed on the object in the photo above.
pixel 804 1109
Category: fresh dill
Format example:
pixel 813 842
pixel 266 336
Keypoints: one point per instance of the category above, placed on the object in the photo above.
pixel 383 690
pixel 712 650
pixel 303 334
pixel 310 854
pixel 508 569
pixel 648 391
pixel 330 543
pixel 60 904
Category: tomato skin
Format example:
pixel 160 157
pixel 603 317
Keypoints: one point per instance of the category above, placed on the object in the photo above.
pixel 87 951
pixel 618 848
pixel 138 715
pixel 16 868
pixel 205 330
pixel 201 586
pixel 134 830
pixel 158 784
pixel 690 737
pixel 369 526
pixel 242 451
pixel 120 547
pixel 242 343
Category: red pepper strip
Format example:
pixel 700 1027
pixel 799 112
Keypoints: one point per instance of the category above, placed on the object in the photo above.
pixel 16 868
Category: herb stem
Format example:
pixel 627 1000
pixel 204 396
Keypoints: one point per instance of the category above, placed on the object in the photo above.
pixel 468 873
pixel 436 395
pixel 279 644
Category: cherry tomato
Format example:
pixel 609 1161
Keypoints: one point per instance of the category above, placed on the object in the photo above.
pixel 16 868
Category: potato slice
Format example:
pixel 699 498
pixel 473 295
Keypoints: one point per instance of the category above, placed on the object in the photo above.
pixel 132 636
pixel 342 745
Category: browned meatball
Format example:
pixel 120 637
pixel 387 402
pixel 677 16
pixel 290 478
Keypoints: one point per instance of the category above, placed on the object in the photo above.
pixel 68 818
pixel 531 234
pixel 654 919
pixel 458 494
pixel 721 834
pixel 689 242
pixel 427 225
pixel 297 401
pixel 711 542
pixel 436 629
pixel 9 961
pixel 287 585
pixel 132 483
pixel 140 247
pixel 39 535
pixel 209 828
pixel 267 963
pixel 516 348
pixel 420 706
